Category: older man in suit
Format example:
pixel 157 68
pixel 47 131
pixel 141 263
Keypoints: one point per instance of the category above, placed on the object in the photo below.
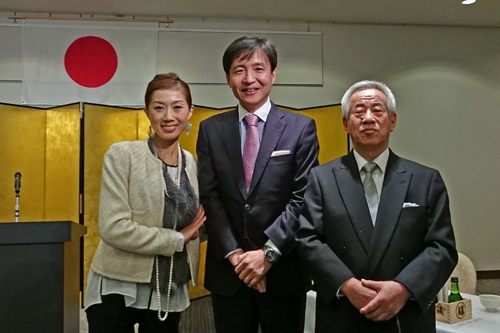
pixel 253 167
pixel 375 229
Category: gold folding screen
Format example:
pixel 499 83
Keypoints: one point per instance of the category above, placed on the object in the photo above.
pixel 62 164
pixel 44 145
pixel 188 142
pixel 331 134
pixel 332 137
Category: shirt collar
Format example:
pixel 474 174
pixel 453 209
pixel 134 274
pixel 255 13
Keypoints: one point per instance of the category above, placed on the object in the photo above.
pixel 261 112
pixel 381 160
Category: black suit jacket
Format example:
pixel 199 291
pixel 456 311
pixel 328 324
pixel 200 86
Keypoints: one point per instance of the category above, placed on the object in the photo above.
pixel 413 245
pixel 270 210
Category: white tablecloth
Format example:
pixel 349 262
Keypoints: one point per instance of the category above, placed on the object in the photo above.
pixel 481 322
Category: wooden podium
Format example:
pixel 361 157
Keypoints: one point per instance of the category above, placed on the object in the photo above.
pixel 40 276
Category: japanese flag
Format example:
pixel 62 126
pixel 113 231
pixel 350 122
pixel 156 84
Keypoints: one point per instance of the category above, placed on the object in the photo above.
pixel 108 65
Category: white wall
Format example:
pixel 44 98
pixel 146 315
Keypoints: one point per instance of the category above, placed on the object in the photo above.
pixel 447 85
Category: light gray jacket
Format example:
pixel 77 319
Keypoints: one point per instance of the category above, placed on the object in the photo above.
pixel 131 214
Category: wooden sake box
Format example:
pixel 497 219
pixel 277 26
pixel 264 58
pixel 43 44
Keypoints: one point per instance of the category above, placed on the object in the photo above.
pixel 455 312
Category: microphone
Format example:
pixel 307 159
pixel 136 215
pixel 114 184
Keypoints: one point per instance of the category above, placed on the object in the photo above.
pixel 17 183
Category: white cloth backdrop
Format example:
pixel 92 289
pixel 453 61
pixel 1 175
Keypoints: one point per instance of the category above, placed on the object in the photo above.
pixel 142 50
pixel 197 55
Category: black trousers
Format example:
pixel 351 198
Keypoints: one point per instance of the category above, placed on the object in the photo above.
pixel 112 316
pixel 247 309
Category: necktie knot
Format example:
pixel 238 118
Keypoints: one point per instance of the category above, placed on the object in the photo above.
pixel 251 119
pixel 369 167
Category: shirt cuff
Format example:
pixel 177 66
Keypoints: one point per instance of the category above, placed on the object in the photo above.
pixel 339 292
pixel 227 255
pixel 271 244
pixel 180 242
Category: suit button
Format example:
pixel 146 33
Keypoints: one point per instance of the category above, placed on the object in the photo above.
pixel 247 207
pixel 403 261
pixel 343 250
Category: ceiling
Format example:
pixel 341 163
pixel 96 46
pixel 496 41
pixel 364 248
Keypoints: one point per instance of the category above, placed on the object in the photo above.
pixel 427 12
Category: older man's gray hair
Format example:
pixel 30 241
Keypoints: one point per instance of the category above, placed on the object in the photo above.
pixel 363 85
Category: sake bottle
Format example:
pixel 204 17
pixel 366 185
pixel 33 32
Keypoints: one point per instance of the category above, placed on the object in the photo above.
pixel 455 291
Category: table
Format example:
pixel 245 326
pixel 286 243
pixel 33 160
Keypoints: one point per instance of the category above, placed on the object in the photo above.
pixel 481 321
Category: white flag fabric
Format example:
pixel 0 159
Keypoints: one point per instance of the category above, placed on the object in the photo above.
pixel 108 65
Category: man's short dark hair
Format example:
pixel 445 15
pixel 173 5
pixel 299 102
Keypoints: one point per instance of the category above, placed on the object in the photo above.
pixel 247 46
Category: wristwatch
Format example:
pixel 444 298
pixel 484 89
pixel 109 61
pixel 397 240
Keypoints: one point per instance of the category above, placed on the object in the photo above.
pixel 270 254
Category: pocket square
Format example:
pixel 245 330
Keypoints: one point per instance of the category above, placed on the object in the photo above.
pixel 280 153
pixel 409 204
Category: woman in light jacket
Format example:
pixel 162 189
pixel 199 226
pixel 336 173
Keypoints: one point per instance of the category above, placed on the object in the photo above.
pixel 149 216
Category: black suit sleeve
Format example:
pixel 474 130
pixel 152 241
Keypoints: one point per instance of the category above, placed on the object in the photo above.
pixel 221 233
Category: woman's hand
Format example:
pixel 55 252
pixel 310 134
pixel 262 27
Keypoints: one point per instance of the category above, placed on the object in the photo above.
pixel 191 231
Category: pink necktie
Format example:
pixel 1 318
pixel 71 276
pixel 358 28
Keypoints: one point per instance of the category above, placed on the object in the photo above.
pixel 251 147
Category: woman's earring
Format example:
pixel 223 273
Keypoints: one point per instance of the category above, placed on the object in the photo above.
pixel 150 132
pixel 188 127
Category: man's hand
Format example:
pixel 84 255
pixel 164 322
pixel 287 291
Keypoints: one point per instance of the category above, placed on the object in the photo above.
pixel 251 267
pixel 234 258
pixel 358 295
pixel 391 297
pixel 261 285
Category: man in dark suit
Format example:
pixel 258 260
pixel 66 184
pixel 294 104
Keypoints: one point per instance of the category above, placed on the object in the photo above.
pixel 253 167
pixel 378 241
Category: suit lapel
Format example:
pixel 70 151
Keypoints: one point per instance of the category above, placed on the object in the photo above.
pixel 273 130
pixel 396 183
pixel 351 190
pixel 232 142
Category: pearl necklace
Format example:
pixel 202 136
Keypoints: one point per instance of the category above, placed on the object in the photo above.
pixel 158 294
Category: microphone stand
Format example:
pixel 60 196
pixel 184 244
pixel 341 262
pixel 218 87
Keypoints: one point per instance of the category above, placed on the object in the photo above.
pixel 17 186
pixel 17 207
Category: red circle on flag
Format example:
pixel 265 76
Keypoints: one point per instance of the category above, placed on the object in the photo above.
pixel 91 61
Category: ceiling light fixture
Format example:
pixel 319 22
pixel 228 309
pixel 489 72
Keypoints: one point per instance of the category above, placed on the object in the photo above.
pixel 468 2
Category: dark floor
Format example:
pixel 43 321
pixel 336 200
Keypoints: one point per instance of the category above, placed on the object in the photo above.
pixel 198 317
